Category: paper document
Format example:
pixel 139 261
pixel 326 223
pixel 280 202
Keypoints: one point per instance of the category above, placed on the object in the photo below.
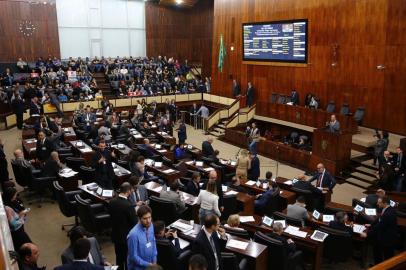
pixel 295 231
pixel 224 188
pixel 168 171
pixel 370 211
pixel 208 169
pixel 189 162
pixel 231 192
pixel 247 219
pixel 328 218
pixel 182 226
pixel 162 151
pixel 319 236
pixel 157 189
pixel 289 182
pixel 357 228
pixel 86 150
pixel 182 243
pixel 232 243
pixel 250 183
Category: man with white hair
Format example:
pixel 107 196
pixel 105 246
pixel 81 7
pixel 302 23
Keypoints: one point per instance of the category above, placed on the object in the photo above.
pixel 207 148
pixel 20 161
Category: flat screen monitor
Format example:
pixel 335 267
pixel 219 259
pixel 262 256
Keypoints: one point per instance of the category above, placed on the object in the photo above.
pixel 278 41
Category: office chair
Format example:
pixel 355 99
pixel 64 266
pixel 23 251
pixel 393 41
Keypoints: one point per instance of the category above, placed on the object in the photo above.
pixel 331 106
pixel 66 202
pixel 345 109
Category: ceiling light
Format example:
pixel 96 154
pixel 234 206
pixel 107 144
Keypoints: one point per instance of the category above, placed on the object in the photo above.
pixel 178 2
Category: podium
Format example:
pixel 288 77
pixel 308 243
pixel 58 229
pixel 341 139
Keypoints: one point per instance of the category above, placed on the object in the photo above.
pixel 331 149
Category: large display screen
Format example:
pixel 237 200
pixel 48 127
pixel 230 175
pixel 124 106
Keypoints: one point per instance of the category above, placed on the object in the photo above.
pixel 281 41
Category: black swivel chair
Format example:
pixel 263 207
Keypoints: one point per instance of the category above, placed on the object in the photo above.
pixel 74 163
pixel 230 206
pixel 275 204
pixel 67 203
pixel 337 245
pixel 239 233
pixel 289 220
pixel 93 217
pixel 345 109
pixel 274 98
pixel 278 254
pixel 230 262
pixel 166 161
pixel 359 115
pixel 282 99
pixel 167 257
pixel 331 106
pixel 163 209
pixel 123 163
pixel 87 174
pixel 20 179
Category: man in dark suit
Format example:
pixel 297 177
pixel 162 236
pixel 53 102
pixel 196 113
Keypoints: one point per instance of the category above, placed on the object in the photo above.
pixel 18 107
pixel 44 147
pixel 182 136
pixel 250 94
pixel 236 89
pixel 123 219
pixel 341 219
pixel 294 97
pixel 207 148
pixel 324 179
pixel 383 231
pixel 372 199
pixel 193 186
pixel 277 230
pixel 35 108
pixel 399 162
pixel 162 238
pixel 101 161
pixel 95 255
pixel 209 244
pixel 254 171
pixel 263 199
pixel 81 250
pixel 29 254
pixel 303 184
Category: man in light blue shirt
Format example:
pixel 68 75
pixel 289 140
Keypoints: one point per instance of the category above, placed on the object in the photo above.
pixel 141 242
pixel 203 111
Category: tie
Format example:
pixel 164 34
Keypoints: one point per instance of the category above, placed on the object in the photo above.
pixel 137 196
pixel 213 246
pixel 319 180
pixel 399 160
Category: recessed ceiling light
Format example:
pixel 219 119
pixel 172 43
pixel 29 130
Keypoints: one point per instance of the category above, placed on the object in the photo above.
pixel 178 2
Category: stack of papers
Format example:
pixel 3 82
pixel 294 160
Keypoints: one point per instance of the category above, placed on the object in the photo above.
pixel 157 189
pixel 208 169
pixel 31 140
pixel 183 227
pixel 162 151
pixel 357 228
pixel 319 236
pixel 189 162
pixel 86 150
pixel 231 192
pixel 148 162
pixel 295 231
pixel 247 219
pixel 66 173
pixel 232 243
pixel 168 171
pixel 33 149
pixel 250 183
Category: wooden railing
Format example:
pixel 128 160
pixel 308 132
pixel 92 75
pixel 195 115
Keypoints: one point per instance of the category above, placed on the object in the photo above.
pixel 397 262
pixel 222 113
pixel 241 118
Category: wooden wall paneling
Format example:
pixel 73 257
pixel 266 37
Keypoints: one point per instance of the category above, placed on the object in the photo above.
pixel 368 33
pixel 43 42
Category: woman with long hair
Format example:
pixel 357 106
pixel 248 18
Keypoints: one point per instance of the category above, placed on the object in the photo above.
pixel 208 200
pixel 243 164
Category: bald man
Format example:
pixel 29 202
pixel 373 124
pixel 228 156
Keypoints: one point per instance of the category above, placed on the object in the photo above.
pixel 207 148
pixel 29 254
pixel 325 180
pixel 20 161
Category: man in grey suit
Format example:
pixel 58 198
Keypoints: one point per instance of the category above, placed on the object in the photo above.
pixel 139 195
pixel 95 255
pixel 173 196
pixel 333 126
pixel 298 210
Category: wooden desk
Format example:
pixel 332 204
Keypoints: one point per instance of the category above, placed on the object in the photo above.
pixel 305 244
pixel 69 134
pixel 29 148
pixel 85 150
pixel 166 137
pixel 204 169
pixel 161 171
pixel 245 199
pixel 93 194
pixel 304 116
pixel 121 173
pixel 162 151
pixel 123 152
pixel 256 253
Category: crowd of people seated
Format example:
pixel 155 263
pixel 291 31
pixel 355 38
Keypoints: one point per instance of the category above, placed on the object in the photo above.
pixel 136 235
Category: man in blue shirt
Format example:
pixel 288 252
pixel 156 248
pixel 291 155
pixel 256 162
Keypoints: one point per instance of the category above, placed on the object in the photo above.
pixel 141 242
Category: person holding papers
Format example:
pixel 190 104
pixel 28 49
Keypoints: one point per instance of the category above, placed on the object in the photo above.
pixel 341 219
pixel 325 181
pixel 208 200
pixel 383 231
pixel 209 244
pixel 298 210
pixel 102 163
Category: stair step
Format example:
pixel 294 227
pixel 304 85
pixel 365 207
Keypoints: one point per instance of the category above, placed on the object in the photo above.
pixel 358 183
pixel 366 170
pixel 363 177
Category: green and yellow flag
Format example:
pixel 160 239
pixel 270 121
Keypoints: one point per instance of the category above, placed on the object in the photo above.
pixel 222 54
